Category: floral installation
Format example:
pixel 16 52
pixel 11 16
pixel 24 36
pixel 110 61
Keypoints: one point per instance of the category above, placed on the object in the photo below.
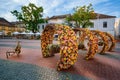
pixel 93 40
pixel 46 38
pixel 68 47
pixel 93 46
pixel 112 40
pixel 104 42
pixel 68 44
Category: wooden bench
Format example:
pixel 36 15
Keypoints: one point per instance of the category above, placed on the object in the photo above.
pixel 16 51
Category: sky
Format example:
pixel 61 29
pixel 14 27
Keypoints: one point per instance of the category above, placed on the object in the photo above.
pixel 59 7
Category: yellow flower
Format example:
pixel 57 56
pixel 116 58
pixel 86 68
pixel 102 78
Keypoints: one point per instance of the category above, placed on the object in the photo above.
pixel 65 59
pixel 64 51
pixel 72 62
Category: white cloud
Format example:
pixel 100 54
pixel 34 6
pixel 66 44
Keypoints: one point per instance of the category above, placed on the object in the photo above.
pixel 9 17
pixel 52 7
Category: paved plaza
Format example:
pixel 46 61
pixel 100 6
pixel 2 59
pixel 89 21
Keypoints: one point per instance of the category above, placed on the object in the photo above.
pixel 30 65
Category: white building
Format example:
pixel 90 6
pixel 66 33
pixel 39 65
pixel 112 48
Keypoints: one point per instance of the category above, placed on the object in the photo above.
pixel 104 23
pixel 55 19
pixel 101 22
pixel 60 19
pixel 41 27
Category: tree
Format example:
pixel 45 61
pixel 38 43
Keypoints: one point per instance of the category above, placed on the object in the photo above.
pixel 82 16
pixel 68 20
pixel 31 15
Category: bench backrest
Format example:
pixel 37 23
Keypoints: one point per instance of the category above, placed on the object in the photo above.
pixel 18 47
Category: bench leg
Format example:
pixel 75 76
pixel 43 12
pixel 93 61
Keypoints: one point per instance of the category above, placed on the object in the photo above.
pixel 7 54
pixel 18 54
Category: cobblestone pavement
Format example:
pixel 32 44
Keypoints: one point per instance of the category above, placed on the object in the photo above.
pixel 102 67
pixel 10 70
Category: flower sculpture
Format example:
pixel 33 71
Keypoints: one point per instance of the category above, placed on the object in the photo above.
pixel 112 40
pixel 93 45
pixel 104 42
pixel 46 38
pixel 68 44
pixel 93 40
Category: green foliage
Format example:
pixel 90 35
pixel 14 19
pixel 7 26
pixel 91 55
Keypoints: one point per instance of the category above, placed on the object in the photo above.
pixel 31 15
pixel 82 16
pixel 53 48
pixel 68 20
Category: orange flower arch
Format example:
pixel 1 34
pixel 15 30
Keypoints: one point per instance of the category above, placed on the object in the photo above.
pixel 112 40
pixel 104 38
pixel 68 44
pixel 93 42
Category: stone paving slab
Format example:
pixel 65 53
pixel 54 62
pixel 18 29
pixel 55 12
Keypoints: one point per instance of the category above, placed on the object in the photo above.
pixel 10 70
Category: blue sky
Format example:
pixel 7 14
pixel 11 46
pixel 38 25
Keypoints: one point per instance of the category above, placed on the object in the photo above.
pixel 59 7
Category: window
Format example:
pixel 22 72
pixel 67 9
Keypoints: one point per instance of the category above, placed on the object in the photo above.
pixel 104 24
pixel 9 28
pixel 3 28
pixel 92 26
pixel 38 26
pixel 42 26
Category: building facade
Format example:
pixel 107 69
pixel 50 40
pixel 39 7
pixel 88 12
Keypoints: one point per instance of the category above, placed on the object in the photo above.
pixel 104 23
pixel 20 26
pixel 41 27
pixel 6 28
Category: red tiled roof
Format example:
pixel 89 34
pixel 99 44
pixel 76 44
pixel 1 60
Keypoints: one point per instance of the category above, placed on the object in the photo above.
pixel 4 22
pixel 17 22
pixel 59 16
pixel 100 16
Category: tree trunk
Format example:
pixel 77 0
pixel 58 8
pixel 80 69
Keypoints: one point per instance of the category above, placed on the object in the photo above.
pixel 84 25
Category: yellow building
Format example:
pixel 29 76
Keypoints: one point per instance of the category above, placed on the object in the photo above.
pixel 20 26
pixel 7 28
